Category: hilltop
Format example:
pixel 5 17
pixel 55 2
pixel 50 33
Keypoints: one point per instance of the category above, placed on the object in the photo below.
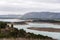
pixel 42 15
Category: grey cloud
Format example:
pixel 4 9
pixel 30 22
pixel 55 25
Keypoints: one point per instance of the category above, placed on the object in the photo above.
pixel 23 6
pixel 9 9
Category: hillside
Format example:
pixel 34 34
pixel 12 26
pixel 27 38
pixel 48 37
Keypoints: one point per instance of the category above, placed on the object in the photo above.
pixel 9 16
pixel 10 33
pixel 42 15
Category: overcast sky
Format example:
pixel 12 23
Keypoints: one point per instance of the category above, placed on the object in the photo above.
pixel 24 6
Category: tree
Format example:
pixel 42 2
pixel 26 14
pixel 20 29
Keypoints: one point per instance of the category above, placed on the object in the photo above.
pixel 11 25
pixel 3 24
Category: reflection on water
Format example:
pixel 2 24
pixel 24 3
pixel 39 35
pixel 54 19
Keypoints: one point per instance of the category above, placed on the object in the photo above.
pixel 50 34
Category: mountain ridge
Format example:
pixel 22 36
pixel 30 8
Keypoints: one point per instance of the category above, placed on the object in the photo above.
pixel 42 15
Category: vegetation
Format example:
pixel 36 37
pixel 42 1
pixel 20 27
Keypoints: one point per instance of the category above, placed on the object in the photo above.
pixel 10 32
pixel 50 21
pixel 3 24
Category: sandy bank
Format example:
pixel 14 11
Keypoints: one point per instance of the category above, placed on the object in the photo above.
pixel 45 29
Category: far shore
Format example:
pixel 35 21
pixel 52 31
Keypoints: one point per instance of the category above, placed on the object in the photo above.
pixel 47 22
pixel 45 29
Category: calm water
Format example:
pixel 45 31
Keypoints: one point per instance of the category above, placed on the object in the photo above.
pixel 49 25
pixel 50 34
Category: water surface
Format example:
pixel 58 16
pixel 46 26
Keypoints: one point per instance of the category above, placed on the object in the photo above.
pixel 44 25
pixel 50 34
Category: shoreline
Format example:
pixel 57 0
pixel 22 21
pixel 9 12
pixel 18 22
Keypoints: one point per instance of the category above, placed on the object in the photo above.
pixel 45 29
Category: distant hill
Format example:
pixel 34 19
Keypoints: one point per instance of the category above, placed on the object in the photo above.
pixel 42 15
pixel 9 16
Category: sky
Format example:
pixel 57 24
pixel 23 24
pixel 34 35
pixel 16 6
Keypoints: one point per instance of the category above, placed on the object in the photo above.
pixel 20 7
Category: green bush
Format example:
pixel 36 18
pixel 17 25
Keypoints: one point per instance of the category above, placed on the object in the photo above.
pixel 3 24
pixel 22 33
